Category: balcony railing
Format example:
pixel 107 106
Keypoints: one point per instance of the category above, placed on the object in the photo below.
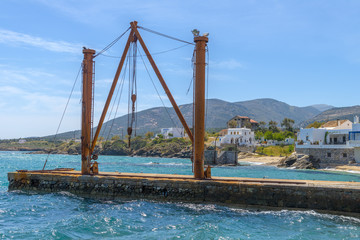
pixel 337 143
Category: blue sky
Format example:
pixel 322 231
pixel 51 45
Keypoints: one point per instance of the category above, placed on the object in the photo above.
pixel 298 52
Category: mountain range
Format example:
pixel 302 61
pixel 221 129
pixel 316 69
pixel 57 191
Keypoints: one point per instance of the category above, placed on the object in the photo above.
pixel 218 112
pixel 334 114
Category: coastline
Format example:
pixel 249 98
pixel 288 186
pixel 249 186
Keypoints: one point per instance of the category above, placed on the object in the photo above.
pixel 259 160
pixel 274 161
pixel 244 158
pixel 349 169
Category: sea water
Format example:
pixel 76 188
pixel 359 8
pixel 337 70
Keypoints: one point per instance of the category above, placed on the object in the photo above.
pixel 66 216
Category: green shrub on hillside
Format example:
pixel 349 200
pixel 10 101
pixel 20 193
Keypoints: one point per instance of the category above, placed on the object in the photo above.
pixel 276 150
pixel 315 125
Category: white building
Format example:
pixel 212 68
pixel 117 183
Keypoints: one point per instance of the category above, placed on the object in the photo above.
pixel 172 132
pixel 238 136
pixel 334 143
pixel 331 133
pixel 354 135
pixel 289 141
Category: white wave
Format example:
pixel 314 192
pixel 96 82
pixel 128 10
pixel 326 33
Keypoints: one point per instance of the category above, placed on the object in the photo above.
pixel 298 212
pixel 332 217
pixel 340 170
pixel 200 207
pixel 68 194
pixel 251 163
pixel 169 164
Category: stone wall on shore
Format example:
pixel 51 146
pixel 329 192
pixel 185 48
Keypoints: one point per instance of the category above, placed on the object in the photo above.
pixel 299 195
pixel 212 157
pixel 329 157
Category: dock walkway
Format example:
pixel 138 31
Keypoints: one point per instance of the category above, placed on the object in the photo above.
pixel 305 194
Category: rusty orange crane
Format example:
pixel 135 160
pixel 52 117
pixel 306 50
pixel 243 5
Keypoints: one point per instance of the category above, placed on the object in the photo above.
pixel 197 138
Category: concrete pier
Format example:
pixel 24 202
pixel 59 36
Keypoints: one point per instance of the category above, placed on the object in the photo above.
pixel 304 194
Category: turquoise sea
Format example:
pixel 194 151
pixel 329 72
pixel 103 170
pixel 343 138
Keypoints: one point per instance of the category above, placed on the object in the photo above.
pixel 66 216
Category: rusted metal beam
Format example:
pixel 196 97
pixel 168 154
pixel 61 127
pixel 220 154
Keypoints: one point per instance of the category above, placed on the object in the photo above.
pixel 86 117
pixel 112 89
pixel 199 114
pixel 162 81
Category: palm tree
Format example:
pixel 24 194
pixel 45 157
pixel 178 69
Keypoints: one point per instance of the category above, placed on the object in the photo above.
pixel 273 126
pixel 288 124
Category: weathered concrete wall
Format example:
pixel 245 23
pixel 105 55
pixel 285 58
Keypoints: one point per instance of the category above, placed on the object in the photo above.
pixel 357 154
pixel 225 157
pixel 308 196
pixel 228 157
pixel 329 157
pixel 210 157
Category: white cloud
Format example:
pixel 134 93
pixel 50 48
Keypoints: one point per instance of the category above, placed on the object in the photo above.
pixel 231 64
pixel 24 76
pixel 31 102
pixel 10 37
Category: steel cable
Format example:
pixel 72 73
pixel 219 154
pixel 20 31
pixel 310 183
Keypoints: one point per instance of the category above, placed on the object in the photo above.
pixel 164 35
pixel 62 117
pixel 111 44
pixel 152 54
pixel 166 109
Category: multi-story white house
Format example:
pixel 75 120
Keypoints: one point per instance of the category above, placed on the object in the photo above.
pixel 172 132
pixel 330 133
pixel 334 143
pixel 238 136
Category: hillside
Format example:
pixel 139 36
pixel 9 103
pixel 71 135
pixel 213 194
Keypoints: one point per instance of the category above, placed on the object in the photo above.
pixel 218 113
pixel 322 107
pixel 267 109
pixel 334 114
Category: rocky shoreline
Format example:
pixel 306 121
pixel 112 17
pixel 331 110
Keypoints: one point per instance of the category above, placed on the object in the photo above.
pixel 294 161
pixel 299 161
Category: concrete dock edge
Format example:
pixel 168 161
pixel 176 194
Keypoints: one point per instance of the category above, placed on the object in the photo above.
pixel 303 194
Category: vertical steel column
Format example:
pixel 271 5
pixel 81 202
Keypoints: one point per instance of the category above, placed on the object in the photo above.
pixel 199 128
pixel 86 110
pixel 162 81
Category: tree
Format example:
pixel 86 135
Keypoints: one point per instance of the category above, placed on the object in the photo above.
pixel 289 134
pixel 115 137
pixel 259 135
pixel 248 125
pixel 273 126
pixel 106 144
pixel 288 124
pixel 232 124
pixel 278 136
pixel 262 126
pixel 268 135
pixel 149 135
pixel 138 143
